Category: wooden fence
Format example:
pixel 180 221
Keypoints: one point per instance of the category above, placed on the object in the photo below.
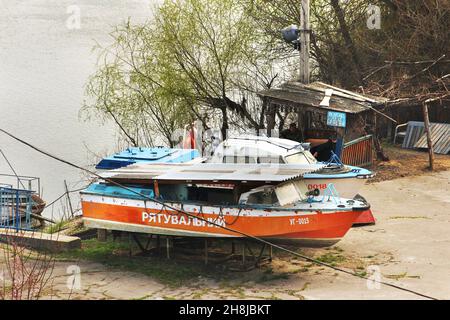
pixel 358 152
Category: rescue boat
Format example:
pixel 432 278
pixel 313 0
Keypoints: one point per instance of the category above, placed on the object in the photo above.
pixel 220 201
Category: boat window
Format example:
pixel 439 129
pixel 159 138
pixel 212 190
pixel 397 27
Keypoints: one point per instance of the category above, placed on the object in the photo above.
pixel 211 195
pixel 301 158
pixel 229 159
pixel 173 192
pixel 238 159
pixel 270 159
pixel 263 197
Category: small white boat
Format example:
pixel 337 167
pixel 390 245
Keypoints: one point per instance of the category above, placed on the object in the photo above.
pixel 347 180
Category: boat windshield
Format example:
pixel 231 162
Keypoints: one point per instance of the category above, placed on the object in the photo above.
pixel 304 157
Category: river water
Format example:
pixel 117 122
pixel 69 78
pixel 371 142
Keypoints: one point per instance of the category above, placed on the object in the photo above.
pixel 45 60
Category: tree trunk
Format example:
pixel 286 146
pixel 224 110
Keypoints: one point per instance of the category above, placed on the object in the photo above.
pixel 224 123
pixel 347 37
pixel 270 119
pixel 378 149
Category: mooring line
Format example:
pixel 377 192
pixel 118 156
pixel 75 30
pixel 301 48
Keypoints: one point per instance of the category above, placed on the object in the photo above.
pixel 216 224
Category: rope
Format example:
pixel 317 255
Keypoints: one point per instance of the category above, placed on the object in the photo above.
pixel 62 195
pixel 12 168
pixel 218 225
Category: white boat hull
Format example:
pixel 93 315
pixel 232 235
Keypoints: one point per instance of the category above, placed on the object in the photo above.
pixel 346 187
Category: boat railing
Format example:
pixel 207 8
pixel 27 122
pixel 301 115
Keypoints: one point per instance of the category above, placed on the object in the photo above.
pixel 334 159
pixel 331 194
pixel 21 182
pixel 15 208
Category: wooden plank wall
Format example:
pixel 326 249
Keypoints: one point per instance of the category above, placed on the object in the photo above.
pixel 358 152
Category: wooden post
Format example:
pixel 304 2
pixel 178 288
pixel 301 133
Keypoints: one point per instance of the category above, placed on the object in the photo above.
pixel 304 42
pixel 158 244
pixel 156 188
pixel 270 118
pixel 426 122
pixel 102 235
pixel 167 247
pixel 68 199
pixel 206 251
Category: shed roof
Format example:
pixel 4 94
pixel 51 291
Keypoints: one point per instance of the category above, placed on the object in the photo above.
pixel 311 95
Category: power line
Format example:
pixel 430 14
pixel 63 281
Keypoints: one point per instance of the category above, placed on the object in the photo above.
pixel 165 205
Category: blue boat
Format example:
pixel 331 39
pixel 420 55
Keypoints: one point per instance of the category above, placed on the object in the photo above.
pixel 146 155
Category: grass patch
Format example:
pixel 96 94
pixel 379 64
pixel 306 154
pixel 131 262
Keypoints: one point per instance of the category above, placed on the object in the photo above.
pixel 331 258
pixel 409 217
pixel 57 227
pixel 400 276
pixel 115 254
pixel 361 273
pixel 269 275
pixel 304 269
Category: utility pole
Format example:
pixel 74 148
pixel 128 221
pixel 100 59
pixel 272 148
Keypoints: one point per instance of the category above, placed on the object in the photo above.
pixel 304 40
pixel 426 122
pixel 68 199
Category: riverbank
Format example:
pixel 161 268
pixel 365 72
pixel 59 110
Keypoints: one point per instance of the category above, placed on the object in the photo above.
pixel 409 246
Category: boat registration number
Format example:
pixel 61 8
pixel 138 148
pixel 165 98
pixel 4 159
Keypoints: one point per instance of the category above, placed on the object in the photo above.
pixel 297 221
pixel 320 186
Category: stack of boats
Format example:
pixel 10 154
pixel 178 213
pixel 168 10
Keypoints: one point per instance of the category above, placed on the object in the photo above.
pixel 252 186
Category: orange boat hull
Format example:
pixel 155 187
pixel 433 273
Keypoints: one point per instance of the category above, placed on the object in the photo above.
pixel 313 228
pixel 365 218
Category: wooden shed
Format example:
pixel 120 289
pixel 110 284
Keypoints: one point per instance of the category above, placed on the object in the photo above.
pixel 327 112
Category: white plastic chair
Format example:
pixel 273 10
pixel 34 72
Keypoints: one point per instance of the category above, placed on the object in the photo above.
pixel 400 134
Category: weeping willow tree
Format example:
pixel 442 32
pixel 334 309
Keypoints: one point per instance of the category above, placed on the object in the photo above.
pixel 196 59
pixel 130 88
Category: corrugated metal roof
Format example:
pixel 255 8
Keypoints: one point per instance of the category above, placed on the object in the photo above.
pixel 440 138
pixel 313 94
pixel 414 131
pixel 213 172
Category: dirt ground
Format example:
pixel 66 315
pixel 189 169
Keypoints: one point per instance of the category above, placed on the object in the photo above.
pixel 405 163
pixel 409 246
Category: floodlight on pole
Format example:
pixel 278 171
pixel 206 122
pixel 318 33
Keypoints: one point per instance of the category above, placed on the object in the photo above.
pixel 300 38
pixel 290 35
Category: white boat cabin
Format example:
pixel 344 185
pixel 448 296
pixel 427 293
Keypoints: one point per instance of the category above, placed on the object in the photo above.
pixel 255 149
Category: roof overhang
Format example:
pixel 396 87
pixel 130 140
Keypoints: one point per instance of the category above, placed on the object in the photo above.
pixel 311 95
